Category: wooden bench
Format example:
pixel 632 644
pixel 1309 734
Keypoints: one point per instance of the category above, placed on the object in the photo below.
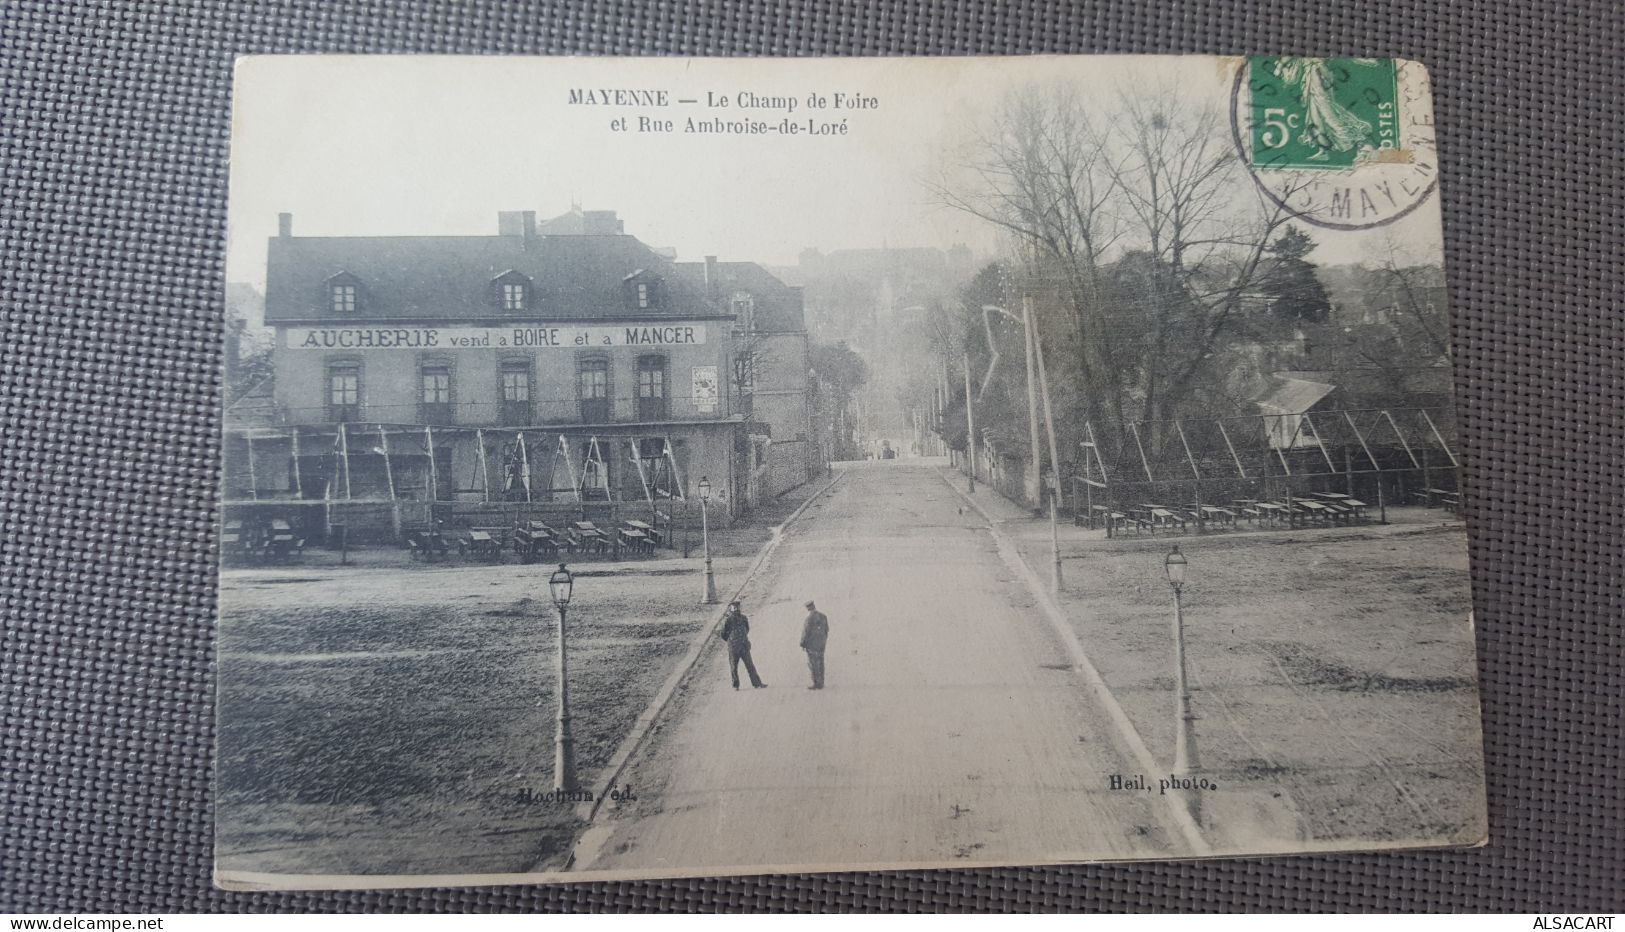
pixel 1215 513
pixel 1121 521
pixel 1274 511
pixel 1096 513
pixel 656 538
pixel 584 536
pixel 478 543
pixel 426 545
pixel 636 540
pixel 535 540
pixel 1319 511
pixel 1165 516
pixel 281 543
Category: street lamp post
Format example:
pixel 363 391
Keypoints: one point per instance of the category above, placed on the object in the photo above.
pixel 564 755
pixel 710 596
pixel 1185 762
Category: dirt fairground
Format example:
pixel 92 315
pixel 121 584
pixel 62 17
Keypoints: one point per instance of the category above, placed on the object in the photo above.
pixel 1331 669
pixel 385 719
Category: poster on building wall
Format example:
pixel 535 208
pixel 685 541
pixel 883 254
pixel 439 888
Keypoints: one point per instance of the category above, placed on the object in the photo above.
pixel 704 380
pixel 1115 511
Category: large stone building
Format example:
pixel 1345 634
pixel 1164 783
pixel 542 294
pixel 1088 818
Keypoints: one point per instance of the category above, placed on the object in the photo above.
pixel 564 361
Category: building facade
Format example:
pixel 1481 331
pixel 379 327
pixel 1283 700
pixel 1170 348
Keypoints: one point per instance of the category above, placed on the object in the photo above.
pixel 555 362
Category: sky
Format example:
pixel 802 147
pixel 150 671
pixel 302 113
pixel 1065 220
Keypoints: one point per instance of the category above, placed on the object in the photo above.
pixel 398 145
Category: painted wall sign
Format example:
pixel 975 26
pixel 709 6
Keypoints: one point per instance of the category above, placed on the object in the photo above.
pixel 520 337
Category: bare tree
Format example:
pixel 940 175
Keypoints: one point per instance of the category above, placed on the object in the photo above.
pixel 1039 171
pixel 1138 233
pixel 1205 231
pixel 1424 320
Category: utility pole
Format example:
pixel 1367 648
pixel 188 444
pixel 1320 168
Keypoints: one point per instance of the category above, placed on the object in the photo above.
pixel 970 429
pixel 1034 470
pixel 1055 467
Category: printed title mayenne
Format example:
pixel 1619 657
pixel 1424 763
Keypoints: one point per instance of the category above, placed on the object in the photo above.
pixel 742 100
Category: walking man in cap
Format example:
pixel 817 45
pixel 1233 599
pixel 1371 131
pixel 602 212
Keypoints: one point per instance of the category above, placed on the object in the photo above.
pixel 814 634
pixel 736 631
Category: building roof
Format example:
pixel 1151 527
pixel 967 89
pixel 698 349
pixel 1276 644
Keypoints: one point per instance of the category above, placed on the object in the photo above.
pixel 572 277
pixel 1294 396
pixel 778 306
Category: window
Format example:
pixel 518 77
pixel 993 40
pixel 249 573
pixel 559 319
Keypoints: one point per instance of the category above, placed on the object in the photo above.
pixel 592 387
pixel 516 382
pixel 744 311
pixel 435 400
pixel 343 392
pixel 344 297
pixel 436 385
pixel 510 292
pixel 514 378
pixel 513 296
pixel 651 388
pixel 642 290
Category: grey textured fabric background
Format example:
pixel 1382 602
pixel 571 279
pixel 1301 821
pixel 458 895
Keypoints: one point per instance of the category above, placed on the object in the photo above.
pixel 112 208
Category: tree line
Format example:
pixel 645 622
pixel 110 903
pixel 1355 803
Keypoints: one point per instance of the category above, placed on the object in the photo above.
pixel 1163 283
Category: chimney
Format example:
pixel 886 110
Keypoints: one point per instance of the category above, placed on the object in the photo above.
pixel 711 283
pixel 601 223
pixel 234 347
pixel 510 223
pixel 529 224
pixel 284 225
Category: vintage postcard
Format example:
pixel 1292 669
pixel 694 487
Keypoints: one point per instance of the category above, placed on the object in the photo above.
pixel 657 467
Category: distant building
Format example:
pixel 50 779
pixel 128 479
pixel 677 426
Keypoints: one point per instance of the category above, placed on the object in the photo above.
pixel 1284 409
pixel 879 302
pixel 768 372
pixel 553 361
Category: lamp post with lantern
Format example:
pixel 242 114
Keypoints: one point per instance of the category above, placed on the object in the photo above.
pixel 564 758
pixel 710 595
pixel 1185 761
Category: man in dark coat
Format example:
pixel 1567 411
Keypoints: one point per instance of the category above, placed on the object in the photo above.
pixel 814 634
pixel 736 631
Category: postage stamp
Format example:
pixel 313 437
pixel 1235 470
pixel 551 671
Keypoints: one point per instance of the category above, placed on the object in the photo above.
pixel 1344 143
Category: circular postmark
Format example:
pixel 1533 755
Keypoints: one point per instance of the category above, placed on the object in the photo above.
pixel 1342 143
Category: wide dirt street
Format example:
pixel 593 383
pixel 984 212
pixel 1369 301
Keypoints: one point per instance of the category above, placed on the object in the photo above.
pixel 952 728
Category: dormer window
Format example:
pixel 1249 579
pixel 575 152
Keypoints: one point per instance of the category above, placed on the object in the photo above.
pixel 642 290
pixel 511 291
pixel 744 311
pixel 513 296
pixel 344 299
pixel 343 295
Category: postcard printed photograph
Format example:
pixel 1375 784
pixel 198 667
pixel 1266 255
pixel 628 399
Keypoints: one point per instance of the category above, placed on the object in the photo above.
pixel 659 467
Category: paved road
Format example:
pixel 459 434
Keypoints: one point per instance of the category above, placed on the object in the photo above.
pixel 951 729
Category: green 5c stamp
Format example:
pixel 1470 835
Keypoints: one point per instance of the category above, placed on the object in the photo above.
pixel 1343 143
pixel 1322 112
